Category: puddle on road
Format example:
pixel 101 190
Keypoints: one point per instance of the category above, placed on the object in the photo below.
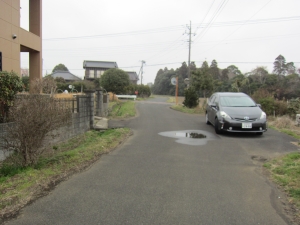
pixel 190 137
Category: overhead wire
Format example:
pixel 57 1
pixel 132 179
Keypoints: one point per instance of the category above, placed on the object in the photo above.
pixel 170 63
pixel 156 30
pixel 239 26
pixel 177 27
pixel 174 45
pixel 215 15
pixel 205 16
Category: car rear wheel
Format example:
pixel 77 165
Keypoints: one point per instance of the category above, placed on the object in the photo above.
pixel 217 129
pixel 206 119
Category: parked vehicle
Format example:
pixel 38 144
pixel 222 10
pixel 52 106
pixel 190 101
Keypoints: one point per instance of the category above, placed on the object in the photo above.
pixel 235 112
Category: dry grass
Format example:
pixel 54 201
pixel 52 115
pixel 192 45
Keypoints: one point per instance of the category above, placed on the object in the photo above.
pixel 285 124
pixel 64 95
pixel 202 101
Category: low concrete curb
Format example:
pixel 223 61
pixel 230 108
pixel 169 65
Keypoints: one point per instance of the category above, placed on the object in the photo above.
pixel 100 123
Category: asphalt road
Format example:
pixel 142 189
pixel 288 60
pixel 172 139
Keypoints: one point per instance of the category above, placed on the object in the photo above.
pixel 161 177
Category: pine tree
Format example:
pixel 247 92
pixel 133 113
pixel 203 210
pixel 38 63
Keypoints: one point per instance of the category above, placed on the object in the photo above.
pixel 280 66
pixel 214 70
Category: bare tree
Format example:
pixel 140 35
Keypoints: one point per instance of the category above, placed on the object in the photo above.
pixel 47 85
pixel 34 118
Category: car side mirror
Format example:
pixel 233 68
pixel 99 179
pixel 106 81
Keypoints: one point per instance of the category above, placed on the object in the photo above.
pixel 216 106
pixel 259 105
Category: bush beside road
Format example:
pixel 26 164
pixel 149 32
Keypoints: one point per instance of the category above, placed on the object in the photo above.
pixel 22 185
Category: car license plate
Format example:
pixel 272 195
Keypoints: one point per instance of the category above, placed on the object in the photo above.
pixel 247 125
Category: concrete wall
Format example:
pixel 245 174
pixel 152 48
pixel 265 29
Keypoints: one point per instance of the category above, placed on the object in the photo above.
pixel 25 41
pixel 82 121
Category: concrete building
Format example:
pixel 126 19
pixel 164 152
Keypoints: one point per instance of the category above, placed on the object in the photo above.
pixel 14 39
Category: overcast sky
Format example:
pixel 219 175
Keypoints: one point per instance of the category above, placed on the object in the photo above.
pixel 246 33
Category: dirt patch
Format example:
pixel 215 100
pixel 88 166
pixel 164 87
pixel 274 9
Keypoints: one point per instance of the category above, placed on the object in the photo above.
pixel 258 158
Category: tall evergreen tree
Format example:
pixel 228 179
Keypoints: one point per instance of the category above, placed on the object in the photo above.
pixel 193 66
pixel 291 69
pixel 183 70
pixel 214 70
pixel 204 65
pixel 203 81
pixel 280 66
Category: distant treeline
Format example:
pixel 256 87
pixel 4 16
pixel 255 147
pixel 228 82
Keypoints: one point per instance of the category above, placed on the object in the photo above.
pixel 282 83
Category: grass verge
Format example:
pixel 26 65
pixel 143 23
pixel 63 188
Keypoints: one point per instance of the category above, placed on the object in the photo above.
pixel 20 186
pixel 123 109
pixel 285 171
pixel 293 133
pixel 181 108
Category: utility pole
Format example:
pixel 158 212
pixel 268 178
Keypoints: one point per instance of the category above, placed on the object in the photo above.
pixel 190 45
pixel 141 71
pixel 190 41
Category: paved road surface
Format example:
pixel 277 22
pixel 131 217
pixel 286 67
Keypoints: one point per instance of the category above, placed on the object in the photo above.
pixel 155 178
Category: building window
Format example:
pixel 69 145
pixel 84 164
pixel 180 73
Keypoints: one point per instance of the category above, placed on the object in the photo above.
pixel 98 73
pixel 92 74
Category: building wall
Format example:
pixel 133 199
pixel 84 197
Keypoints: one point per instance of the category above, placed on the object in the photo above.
pixel 93 73
pixel 25 41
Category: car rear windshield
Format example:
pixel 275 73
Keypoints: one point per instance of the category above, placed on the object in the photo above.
pixel 236 101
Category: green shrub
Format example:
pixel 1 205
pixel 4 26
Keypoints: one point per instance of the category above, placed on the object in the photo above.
pixel 191 99
pixel 281 108
pixel 25 81
pixel 143 90
pixel 10 85
pixel 293 106
pixel 261 94
pixel 267 105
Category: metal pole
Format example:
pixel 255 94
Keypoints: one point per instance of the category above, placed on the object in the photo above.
pixel 141 70
pixel 176 90
pixel 190 41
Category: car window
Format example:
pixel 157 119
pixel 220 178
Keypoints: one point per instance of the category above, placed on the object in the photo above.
pixel 216 100
pixel 236 101
pixel 212 99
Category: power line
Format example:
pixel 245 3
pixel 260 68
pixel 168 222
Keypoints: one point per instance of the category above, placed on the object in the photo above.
pixel 152 47
pixel 156 30
pixel 171 63
pixel 215 15
pixel 179 27
pixel 175 43
pixel 205 15
pixel 240 26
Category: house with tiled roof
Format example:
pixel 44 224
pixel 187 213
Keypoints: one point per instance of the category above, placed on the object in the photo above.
pixel 69 77
pixel 94 69
pixel 133 77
